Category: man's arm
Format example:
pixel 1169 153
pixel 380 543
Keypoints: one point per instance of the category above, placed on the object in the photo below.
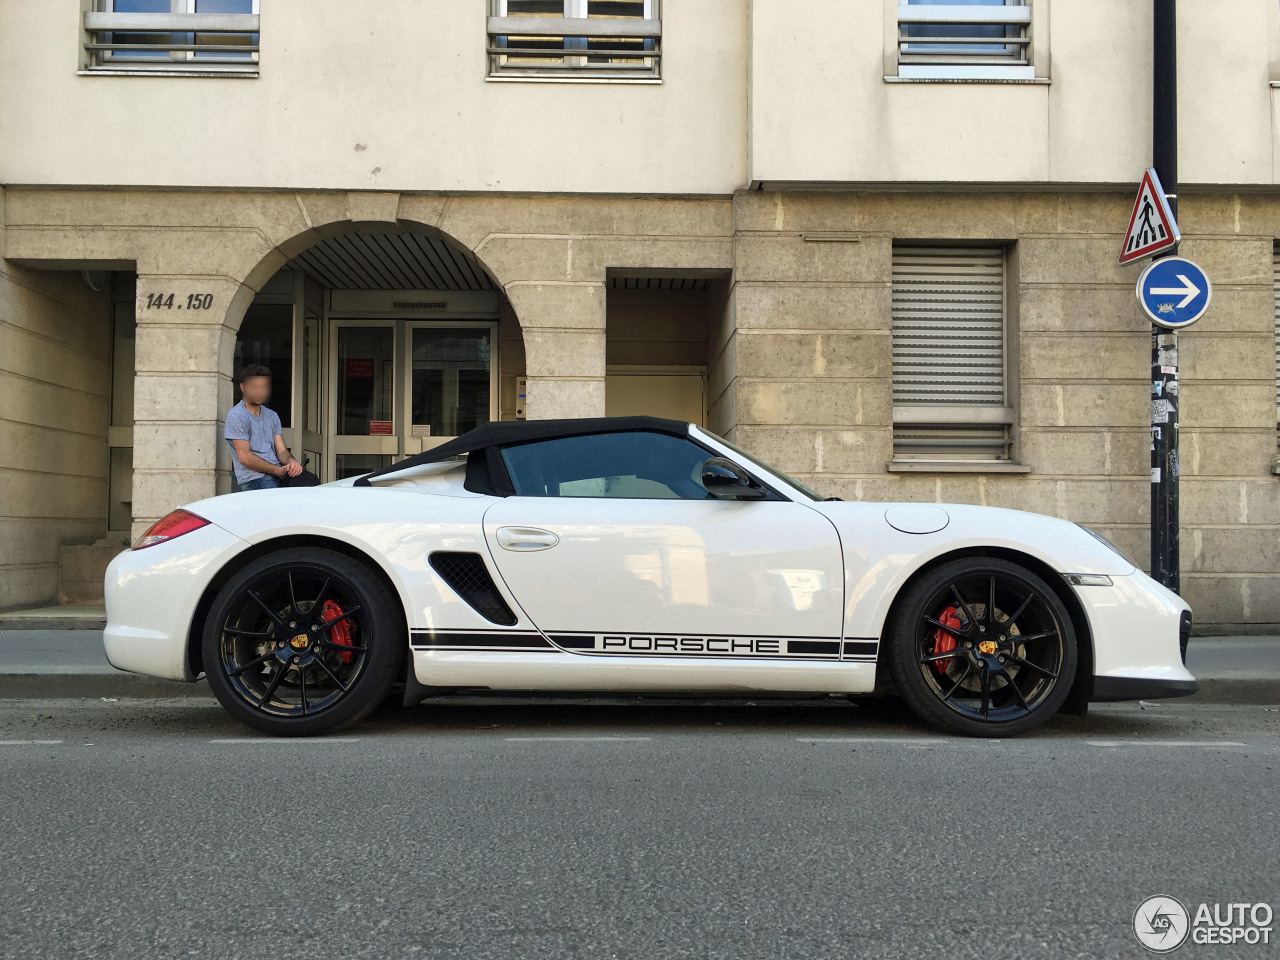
pixel 254 462
pixel 291 466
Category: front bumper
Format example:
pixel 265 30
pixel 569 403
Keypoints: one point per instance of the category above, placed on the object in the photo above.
pixel 151 597
pixel 1139 630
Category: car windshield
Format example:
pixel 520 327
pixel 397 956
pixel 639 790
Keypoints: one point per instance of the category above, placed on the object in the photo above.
pixel 812 495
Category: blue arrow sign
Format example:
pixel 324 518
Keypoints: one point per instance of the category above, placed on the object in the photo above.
pixel 1174 292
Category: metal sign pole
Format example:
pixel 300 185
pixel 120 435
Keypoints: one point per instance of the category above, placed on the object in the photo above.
pixel 1165 566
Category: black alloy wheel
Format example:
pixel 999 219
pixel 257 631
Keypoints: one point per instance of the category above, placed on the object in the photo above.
pixel 982 646
pixel 303 642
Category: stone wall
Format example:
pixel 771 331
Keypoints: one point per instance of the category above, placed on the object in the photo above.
pixel 55 343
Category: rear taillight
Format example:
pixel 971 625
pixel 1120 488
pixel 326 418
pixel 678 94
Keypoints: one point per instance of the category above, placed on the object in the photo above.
pixel 171 525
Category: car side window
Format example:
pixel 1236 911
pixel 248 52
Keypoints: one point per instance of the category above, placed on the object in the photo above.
pixel 636 464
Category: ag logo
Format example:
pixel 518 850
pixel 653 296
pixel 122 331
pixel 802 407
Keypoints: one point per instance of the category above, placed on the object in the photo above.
pixel 1161 923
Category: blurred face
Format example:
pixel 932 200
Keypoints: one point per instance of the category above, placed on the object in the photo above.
pixel 256 390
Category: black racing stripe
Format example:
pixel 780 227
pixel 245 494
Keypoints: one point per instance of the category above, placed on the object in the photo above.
pixel 478 641
pixel 861 647
pixel 587 642
pixel 814 646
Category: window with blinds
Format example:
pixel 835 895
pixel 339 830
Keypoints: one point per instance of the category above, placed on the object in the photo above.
pixel 1275 284
pixel 950 400
pixel 965 39
pixel 575 39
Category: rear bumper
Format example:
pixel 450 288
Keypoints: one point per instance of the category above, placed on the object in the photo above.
pixel 151 597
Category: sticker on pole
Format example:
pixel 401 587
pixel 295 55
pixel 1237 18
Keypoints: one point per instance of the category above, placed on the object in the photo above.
pixel 1174 292
pixel 1152 227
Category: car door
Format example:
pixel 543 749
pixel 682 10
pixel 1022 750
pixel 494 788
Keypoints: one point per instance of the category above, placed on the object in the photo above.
pixel 612 545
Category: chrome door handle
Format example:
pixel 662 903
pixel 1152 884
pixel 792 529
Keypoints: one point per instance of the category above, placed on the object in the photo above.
pixel 526 538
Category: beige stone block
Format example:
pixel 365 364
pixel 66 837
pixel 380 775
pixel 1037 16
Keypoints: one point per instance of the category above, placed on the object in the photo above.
pixel 1071 259
pixel 564 353
pixel 1085 356
pixel 1081 404
pixel 1204 355
pixel 181 348
pixel 52 495
pixel 56 305
pixel 46 450
pixel 1216 452
pixel 50 405
pixel 818 451
pixel 813 306
pixel 163 446
pixel 1234 260
pixel 37 539
pixel 551 397
pixel 559 305
pixel 1231 600
pixel 1227 404
pixel 789 257
pixel 37 357
pixel 1205 500
pixel 863 355
pixel 176 396
pixel 157 491
pixel 1078 451
pixel 1251 549
pixel 372 207
pixel 28 586
pixel 189 296
pixel 826 402
pixel 1080 308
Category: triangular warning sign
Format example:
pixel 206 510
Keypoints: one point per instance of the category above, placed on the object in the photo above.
pixel 1151 226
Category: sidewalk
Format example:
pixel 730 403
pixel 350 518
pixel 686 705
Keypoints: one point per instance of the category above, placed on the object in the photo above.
pixel 71 663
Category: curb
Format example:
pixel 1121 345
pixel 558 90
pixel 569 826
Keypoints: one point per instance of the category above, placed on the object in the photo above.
pixel 1260 691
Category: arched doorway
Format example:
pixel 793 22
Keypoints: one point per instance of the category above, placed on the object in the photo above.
pixel 383 340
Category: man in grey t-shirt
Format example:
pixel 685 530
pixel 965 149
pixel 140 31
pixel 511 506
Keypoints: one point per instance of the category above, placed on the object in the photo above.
pixel 259 456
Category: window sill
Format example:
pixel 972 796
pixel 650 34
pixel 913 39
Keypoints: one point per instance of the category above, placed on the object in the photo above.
pixel 246 73
pixel 524 78
pixel 945 466
pixel 1041 81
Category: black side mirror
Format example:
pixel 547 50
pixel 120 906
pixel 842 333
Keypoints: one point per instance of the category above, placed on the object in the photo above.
pixel 725 479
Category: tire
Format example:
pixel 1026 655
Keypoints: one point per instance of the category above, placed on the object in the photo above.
pixel 303 642
pixel 1021 649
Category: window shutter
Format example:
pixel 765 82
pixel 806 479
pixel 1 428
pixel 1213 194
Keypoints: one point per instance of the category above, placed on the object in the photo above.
pixel 949 353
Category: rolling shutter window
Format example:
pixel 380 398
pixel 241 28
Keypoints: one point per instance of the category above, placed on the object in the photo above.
pixel 1275 266
pixel 949 396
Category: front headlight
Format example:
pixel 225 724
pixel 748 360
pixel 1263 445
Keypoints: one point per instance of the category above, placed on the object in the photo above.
pixel 1101 539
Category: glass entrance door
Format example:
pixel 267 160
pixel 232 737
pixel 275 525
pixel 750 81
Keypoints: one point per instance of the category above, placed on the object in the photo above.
pixel 402 386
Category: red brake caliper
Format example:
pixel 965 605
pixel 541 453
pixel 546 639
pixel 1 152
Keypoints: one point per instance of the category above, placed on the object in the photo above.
pixel 943 642
pixel 341 632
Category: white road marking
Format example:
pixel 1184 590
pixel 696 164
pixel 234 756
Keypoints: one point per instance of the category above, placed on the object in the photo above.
pixel 904 740
pixel 1164 743
pixel 18 743
pixel 590 739
pixel 287 740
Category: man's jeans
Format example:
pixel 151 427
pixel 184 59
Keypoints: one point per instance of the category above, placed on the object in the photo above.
pixel 260 483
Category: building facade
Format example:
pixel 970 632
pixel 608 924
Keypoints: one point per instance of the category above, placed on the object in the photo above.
pixel 873 241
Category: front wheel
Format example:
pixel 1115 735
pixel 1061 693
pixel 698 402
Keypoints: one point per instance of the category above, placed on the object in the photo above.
pixel 303 642
pixel 982 646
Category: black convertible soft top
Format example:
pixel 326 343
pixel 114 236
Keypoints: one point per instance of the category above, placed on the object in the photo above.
pixel 504 433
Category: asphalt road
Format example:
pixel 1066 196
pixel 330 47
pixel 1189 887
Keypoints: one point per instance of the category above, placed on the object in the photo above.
pixel 149 828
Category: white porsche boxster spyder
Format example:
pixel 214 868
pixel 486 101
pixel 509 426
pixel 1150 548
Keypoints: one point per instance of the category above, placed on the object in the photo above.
pixel 632 555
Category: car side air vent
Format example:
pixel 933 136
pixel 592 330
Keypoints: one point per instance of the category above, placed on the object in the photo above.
pixel 467 574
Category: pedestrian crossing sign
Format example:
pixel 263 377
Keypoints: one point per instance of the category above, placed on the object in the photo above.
pixel 1152 227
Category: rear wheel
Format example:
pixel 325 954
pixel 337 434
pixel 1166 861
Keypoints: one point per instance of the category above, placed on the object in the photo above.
pixel 982 646
pixel 303 642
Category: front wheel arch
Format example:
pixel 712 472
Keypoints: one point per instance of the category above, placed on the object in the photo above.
pixel 195 655
pixel 1081 685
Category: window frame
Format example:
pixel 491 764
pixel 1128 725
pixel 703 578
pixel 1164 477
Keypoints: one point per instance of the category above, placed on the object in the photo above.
pixel 508 482
pixel 917 68
pixel 975 415
pixel 573 67
pixel 101 23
